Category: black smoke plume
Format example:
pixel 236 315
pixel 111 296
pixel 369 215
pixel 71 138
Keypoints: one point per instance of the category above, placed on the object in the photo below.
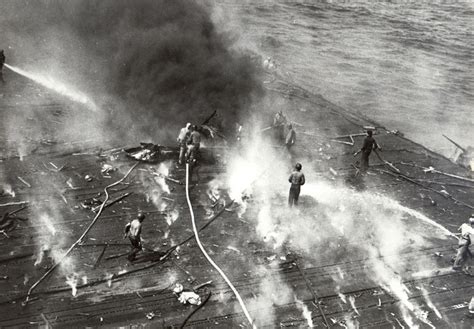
pixel 164 60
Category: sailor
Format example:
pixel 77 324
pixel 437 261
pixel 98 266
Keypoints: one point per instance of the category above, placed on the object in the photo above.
pixel 2 61
pixel 133 230
pixel 464 242
pixel 290 137
pixel 296 179
pixel 279 122
pixel 194 143
pixel 182 140
pixel 367 147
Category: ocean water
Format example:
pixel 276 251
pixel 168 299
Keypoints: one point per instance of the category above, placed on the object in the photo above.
pixel 408 65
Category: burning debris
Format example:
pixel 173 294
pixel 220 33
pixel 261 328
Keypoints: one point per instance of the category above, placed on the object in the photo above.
pixel 146 152
pixel 306 312
pixel 71 280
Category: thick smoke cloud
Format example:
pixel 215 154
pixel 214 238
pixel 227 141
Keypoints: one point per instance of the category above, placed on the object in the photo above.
pixel 164 61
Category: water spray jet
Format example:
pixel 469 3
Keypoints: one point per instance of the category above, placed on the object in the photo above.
pixel 57 86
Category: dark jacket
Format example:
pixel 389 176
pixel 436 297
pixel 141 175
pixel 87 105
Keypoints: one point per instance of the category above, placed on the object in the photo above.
pixel 369 145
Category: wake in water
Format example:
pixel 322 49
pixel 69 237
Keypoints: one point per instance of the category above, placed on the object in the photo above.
pixel 57 86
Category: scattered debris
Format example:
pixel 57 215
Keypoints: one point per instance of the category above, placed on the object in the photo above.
pixel 8 222
pixel 189 297
pixel 107 169
pixel 13 203
pixel 199 286
pixel 108 204
pixel 100 256
pixel 55 167
pixel 463 156
pixel 195 310
pixel 233 249
pixel 146 152
pixel 46 321
pixel 150 316
pixel 270 258
pixel 432 170
pixel 155 173
pixel 186 296
pixel 91 203
pixel 395 132
pixel 69 183
pixel 24 181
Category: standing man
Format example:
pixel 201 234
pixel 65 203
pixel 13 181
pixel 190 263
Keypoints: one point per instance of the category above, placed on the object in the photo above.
pixel 134 230
pixel 182 140
pixel 367 147
pixel 2 61
pixel 290 138
pixel 194 143
pixel 463 245
pixel 279 122
pixel 296 179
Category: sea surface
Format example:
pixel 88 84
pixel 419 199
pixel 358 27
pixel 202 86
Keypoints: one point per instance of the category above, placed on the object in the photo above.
pixel 407 65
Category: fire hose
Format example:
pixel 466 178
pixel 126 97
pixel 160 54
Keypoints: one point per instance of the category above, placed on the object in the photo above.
pixel 209 259
pixel 102 206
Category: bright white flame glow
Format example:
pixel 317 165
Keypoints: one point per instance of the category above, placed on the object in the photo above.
pixel 430 303
pixel 7 189
pixel 71 280
pixel 172 216
pixel 352 301
pixel 306 312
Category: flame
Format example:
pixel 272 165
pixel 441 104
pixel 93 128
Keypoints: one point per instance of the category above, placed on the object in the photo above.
pixel 109 277
pixel 306 312
pixel 213 191
pixel 352 302
pixel 430 303
pixel 242 174
pixel 172 216
pixel 39 257
pixel 7 189
pixel 71 280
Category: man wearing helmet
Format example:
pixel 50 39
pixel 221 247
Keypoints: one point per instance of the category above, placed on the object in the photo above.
pixel 182 140
pixel 296 179
pixel 194 143
pixel 133 230
pixel 279 122
pixel 463 245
